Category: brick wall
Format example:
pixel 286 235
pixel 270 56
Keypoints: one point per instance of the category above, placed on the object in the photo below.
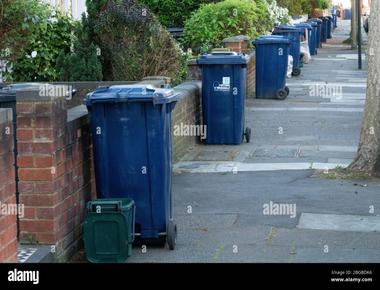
pixel 8 226
pixel 240 44
pixel 56 164
pixel 54 171
pixel 251 76
pixel 187 112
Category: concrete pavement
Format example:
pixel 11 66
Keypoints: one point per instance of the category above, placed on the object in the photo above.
pixel 260 202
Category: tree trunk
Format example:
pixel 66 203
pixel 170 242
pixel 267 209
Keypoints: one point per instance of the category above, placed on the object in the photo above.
pixel 368 156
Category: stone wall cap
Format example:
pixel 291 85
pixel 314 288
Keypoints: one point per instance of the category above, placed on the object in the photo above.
pixel 39 96
pixel 237 38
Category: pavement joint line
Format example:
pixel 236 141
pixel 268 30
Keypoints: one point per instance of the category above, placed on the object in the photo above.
pixel 232 167
pixel 308 109
pixel 320 83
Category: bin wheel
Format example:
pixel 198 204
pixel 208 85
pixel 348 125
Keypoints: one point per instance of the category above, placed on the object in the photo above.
pixel 281 94
pixel 171 235
pixel 296 72
pixel 287 91
pixel 247 134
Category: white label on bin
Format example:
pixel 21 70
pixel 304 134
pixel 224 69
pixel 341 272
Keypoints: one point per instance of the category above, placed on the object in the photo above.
pixel 226 80
pixel 218 87
pixel 98 209
pixel 98 130
pixel 143 170
pixel 280 51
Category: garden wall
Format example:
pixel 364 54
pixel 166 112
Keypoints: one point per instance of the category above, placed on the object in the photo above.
pixel 55 172
pixel 55 161
pixel 186 112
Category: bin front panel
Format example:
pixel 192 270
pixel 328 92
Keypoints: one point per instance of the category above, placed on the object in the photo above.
pixel 329 27
pixel 106 237
pixel 324 30
pixel 133 159
pixel 223 103
pixel 295 45
pixel 319 30
pixel 271 69
pixel 314 39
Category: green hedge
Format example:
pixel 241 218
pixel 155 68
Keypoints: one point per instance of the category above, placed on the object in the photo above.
pixel 207 27
pixel 45 33
pixel 296 7
pixel 173 13
pixel 132 42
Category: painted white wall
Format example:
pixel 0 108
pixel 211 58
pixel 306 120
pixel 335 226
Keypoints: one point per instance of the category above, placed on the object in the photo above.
pixel 345 3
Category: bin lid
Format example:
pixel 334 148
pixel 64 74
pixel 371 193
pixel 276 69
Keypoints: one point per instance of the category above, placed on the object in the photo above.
pixel 131 93
pixel 313 23
pixel 110 204
pixel 223 57
pixel 286 27
pixel 289 31
pixel 8 93
pixel 316 20
pixel 271 39
pixel 305 25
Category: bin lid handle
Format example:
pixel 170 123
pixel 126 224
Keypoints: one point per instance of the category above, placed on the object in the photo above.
pixel 116 204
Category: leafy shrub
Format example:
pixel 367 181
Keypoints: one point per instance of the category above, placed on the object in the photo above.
pixel 82 64
pixel 173 13
pixel 322 4
pixel 209 25
pixel 132 42
pixel 17 19
pixel 183 67
pixel 278 14
pixel 296 7
pixel 299 7
pixel 49 33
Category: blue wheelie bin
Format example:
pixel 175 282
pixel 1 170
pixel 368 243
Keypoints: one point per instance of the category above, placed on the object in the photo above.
pixel 294 34
pixel 319 31
pixel 224 77
pixel 347 14
pixel 308 26
pixel 329 27
pixel 131 133
pixel 334 14
pixel 325 22
pixel 313 39
pixel 272 54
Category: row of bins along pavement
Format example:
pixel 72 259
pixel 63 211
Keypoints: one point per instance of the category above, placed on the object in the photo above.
pixel 288 45
pixel 132 138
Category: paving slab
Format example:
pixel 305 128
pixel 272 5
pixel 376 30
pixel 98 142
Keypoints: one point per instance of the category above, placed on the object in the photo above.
pixel 337 222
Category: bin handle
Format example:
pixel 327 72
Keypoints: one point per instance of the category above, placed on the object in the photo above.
pixel 167 99
pixel 114 203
